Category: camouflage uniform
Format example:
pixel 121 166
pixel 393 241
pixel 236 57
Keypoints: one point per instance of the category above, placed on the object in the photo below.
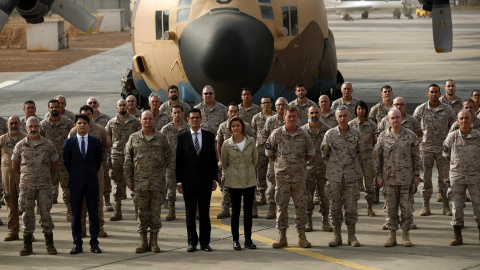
pixel 67 114
pixel 167 109
pixel 369 135
pixel 247 114
pixel 464 153
pixel 137 114
pixel 212 117
pixel 271 124
pixel 3 130
pixel 161 120
pixel 302 109
pixel 474 125
pixel 171 133
pixel 329 119
pixel 100 133
pixel 145 165
pixel 342 158
pixel 35 181
pixel 409 122
pixel 456 104
pixel 397 161
pixel 119 131
pixel 23 122
pixel 290 151
pixel 435 125
pixel 258 123
pixel 378 112
pixel 350 104
pixel 57 133
pixel 102 119
pixel 316 170
pixel 11 180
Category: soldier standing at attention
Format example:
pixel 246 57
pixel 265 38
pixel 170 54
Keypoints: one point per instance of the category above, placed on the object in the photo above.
pixel 342 148
pixel 379 111
pixel 398 165
pixel 35 160
pixel 174 96
pixel 462 149
pixel 435 118
pixel 302 103
pixel 161 118
pixel 132 107
pixel 147 155
pixel 316 170
pixel 213 113
pixel 10 178
pixel 30 109
pixel 258 123
pixel 247 109
pixel 102 120
pixel 56 129
pixel 119 129
pixel 62 101
pixel 327 116
pixel 290 148
pixel 171 131
pixel 450 98
pixel 346 99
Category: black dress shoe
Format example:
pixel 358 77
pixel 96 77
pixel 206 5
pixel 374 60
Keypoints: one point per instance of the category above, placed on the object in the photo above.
pixel 95 249
pixel 76 249
pixel 191 248
pixel 249 244
pixel 206 248
pixel 236 245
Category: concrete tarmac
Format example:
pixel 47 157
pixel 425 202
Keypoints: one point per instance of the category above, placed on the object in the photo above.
pixel 371 53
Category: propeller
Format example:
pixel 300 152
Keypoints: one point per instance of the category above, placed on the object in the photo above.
pixel 75 15
pixel 6 8
pixel 442 26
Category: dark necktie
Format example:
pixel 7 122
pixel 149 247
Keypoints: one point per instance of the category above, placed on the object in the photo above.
pixel 83 147
pixel 197 144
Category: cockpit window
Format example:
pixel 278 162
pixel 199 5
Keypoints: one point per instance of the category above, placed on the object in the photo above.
pixel 183 15
pixel 290 20
pixel 185 3
pixel 264 1
pixel 158 24
pixel 267 12
pixel 166 15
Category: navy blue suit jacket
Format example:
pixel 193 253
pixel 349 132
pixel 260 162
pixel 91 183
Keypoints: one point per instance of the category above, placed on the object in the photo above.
pixel 82 173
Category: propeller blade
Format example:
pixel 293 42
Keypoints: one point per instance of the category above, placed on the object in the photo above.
pixel 6 8
pixel 442 26
pixel 74 14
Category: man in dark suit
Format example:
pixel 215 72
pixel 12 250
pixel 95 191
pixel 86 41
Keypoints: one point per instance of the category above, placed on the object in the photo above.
pixel 82 155
pixel 196 170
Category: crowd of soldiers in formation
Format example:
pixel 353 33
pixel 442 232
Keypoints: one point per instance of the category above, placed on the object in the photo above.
pixel 335 152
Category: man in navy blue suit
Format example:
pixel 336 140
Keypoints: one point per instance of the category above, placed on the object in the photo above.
pixel 82 155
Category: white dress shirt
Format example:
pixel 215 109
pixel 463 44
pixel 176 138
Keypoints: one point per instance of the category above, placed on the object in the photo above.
pixel 79 139
pixel 199 137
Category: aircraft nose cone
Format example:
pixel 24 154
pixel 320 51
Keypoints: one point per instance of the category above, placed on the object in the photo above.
pixel 228 50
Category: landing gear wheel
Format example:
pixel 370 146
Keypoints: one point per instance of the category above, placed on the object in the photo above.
pixel 365 14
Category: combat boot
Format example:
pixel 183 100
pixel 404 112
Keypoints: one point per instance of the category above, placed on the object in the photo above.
pixel 117 211
pixel 153 242
pixel 27 245
pixel 438 198
pixel 108 205
pixel 426 207
pixel 263 199
pixel 171 213
pixel 392 239
pixel 337 236
pixel 282 239
pixel 11 237
pixel 271 212
pixel 102 233
pixel 352 239
pixel 370 212
pixel 385 226
pixel 457 236
pixel 225 213
pixel 302 239
pixel 446 208
pixel 309 226
pixel 406 238
pixel 376 194
pixel 325 225
pixel 316 201
pixel 254 210
pixel 414 226
pixel 51 250
pixel 143 246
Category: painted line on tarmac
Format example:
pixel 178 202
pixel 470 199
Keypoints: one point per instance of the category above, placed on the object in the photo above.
pixel 215 208
pixel 7 83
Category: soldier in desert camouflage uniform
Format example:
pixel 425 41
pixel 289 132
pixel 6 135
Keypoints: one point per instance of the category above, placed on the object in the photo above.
pixel 316 170
pixel 30 109
pixel 435 118
pixel 462 149
pixel 35 160
pixel 132 107
pixel 171 131
pixel 346 99
pixel 147 155
pixel 302 103
pixel 119 129
pixel 290 148
pixel 213 113
pixel 56 129
pixel 3 130
pixel 379 111
pixel 327 115
pixel 258 123
pixel 161 118
pixel 61 109
pixel 342 148
pixel 397 165
pixel 247 109
pixel 174 96
pixel 468 105
pixel 450 98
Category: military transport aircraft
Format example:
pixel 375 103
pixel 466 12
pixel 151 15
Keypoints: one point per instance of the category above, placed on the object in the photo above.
pixel 345 6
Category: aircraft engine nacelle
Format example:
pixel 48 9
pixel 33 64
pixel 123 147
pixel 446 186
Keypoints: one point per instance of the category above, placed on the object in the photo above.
pixel 33 11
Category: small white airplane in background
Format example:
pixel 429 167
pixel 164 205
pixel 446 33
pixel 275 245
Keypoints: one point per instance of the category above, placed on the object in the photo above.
pixel 345 6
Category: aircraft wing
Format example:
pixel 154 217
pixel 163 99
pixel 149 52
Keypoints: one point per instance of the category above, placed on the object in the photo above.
pixel 358 6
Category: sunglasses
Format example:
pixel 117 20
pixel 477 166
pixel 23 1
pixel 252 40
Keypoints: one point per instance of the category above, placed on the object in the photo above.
pixel 208 93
